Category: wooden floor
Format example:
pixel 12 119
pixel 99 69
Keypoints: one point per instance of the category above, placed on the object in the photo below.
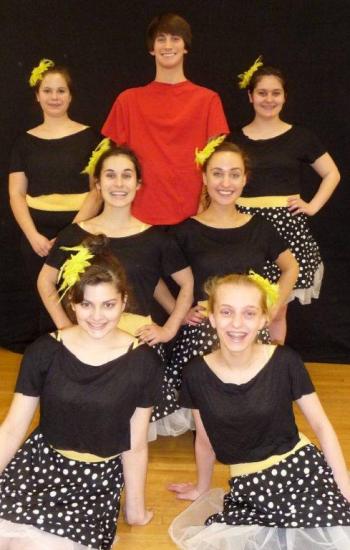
pixel 171 459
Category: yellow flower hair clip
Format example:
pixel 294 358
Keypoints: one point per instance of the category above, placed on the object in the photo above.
pixel 245 77
pixel 270 289
pixel 37 73
pixel 103 146
pixel 201 155
pixel 74 267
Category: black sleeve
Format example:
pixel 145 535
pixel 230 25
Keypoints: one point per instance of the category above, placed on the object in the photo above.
pixel 173 259
pixel 187 398
pixel 17 161
pixel 301 383
pixel 35 365
pixel 311 147
pixel 67 237
pixel 275 243
pixel 179 233
pixel 151 376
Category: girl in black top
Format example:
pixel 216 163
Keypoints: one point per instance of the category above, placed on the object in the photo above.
pixel 278 150
pixel 46 186
pixel 96 390
pixel 241 396
pixel 222 240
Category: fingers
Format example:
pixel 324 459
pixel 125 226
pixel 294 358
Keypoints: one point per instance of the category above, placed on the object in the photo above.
pixel 180 487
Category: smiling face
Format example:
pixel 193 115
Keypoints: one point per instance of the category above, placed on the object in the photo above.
pixel 118 181
pixel 100 310
pixel 268 97
pixel 168 50
pixel 237 315
pixel 54 95
pixel 225 177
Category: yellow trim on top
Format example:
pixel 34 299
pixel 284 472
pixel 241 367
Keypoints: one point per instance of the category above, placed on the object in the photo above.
pixel 57 202
pixel 265 201
pixel 251 467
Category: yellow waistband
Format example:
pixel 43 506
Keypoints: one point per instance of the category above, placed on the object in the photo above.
pixel 265 202
pixel 252 467
pixel 131 322
pixel 57 202
pixel 83 457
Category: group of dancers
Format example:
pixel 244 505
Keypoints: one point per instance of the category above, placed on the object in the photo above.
pixel 169 207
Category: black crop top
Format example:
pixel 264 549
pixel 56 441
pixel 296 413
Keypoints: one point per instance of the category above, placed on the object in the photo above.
pixel 88 408
pixel 248 422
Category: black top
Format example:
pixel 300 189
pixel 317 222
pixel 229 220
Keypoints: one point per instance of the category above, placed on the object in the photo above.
pixel 211 251
pixel 146 257
pixel 251 421
pixel 86 408
pixel 276 163
pixel 54 165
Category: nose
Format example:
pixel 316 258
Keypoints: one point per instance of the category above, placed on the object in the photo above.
pixel 96 314
pixel 168 43
pixel 236 321
pixel 226 180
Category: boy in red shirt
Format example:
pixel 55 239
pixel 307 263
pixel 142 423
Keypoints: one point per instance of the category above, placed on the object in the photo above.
pixel 163 122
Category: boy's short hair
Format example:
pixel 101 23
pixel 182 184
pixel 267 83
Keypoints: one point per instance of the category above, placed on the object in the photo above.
pixel 168 23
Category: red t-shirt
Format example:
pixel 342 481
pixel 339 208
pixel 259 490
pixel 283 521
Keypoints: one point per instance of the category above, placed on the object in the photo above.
pixel 163 124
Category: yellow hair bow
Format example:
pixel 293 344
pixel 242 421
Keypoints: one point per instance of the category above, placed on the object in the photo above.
pixel 37 73
pixel 103 146
pixel 270 289
pixel 201 155
pixel 73 267
pixel 245 77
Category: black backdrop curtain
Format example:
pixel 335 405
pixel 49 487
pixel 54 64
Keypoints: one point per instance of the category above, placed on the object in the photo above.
pixel 103 45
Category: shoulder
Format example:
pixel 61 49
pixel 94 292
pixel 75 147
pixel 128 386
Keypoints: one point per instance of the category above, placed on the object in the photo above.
pixel 42 347
pixel 146 360
pixel 71 235
pixel 194 369
pixel 132 93
pixel 288 355
pixel 201 90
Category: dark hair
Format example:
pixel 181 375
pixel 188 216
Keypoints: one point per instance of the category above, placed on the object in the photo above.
pixel 225 146
pixel 266 71
pixel 104 268
pixel 115 151
pixel 53 70
pixel 169 23
pixel 230 147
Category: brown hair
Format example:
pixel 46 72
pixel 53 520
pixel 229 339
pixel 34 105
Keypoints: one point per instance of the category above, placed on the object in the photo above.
pixel 63 71
pixel 225 146
pixel 212 285
pixel 168 23
pixel 266 71
pixel 115 151
pixel 105 268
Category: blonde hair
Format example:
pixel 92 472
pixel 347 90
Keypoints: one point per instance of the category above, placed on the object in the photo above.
pixel 212 285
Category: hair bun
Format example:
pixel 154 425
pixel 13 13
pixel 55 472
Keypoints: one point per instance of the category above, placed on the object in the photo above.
pixel 97 244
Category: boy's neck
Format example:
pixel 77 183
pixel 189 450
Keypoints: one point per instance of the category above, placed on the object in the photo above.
pixel 170 76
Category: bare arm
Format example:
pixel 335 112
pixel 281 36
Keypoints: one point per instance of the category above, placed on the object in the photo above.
pixel 18 184
pixel 91 205
pixel 328 171
pixel 49 295
pixel 289 268
pixel 314 413
pixel 164 297
pixel 15 426
pixel 205 459
pixel 135 469
pixel 152 334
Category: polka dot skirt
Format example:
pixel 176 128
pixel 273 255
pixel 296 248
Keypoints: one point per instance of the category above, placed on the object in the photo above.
pixel 300 491
pixel 76 500
pixel 167 402
pixel 193 341
pixel 295 231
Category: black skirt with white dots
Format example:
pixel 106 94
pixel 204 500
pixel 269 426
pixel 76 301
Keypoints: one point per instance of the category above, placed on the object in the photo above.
pixel 296 233
pixel 293 505
pixel 300 491
pixel 71 499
